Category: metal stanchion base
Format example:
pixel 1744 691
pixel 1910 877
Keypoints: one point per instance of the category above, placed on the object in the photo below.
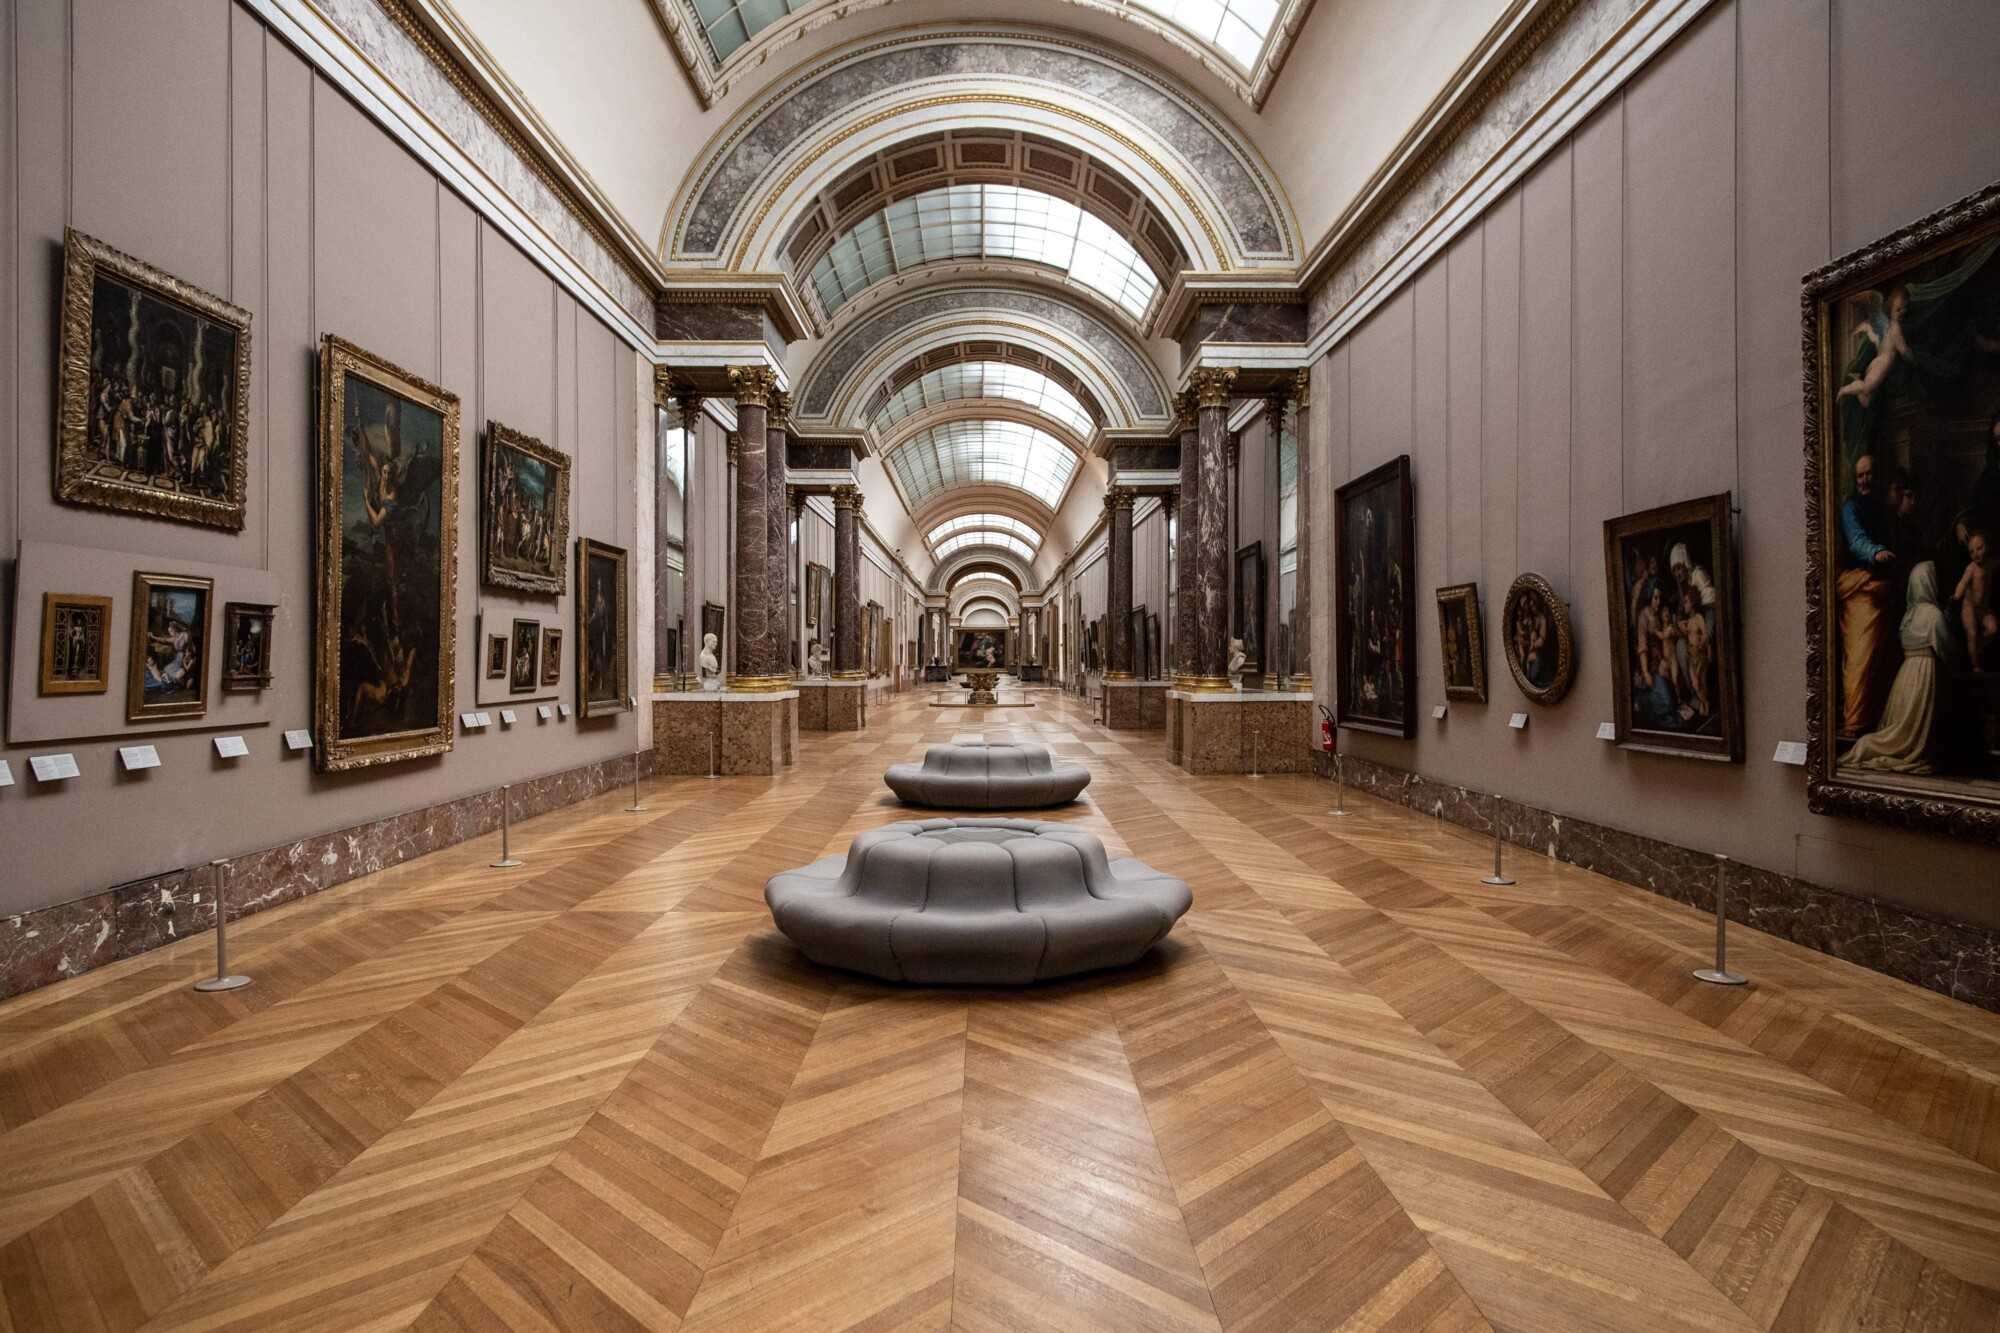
pixel 221 983
pixel 1338 814
pixel 507 864
pixel 1495 879
pixel 1714 977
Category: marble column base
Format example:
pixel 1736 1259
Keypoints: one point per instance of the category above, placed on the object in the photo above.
pixel 833 705
pixel 1948 957
pixel 1135 705
pixel 1241 733
pixel 724 732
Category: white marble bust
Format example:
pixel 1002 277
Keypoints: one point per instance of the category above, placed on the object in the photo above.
pixel 1236 660
pixel 710 665
pixel 815 659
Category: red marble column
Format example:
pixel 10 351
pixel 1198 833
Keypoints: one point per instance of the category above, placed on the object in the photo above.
pixel 778 514
pixel 1118 601
pixel 1209 620
pixel 847 583
pixel 757 666
pixel 1186 537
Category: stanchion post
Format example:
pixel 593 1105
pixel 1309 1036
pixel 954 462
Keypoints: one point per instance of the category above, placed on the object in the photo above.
pixel 223 979
pixel 507 860
pixel 637 805
pixel 1499 875
pixel 1339 785
pixel 1720 975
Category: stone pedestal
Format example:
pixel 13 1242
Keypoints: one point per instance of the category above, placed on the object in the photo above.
pixel 1135 705
pixel 833 705
pixel 741 733
pixel 1227 733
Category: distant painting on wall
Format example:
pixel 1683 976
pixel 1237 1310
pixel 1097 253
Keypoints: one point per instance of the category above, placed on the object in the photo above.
pixel 551 655
pixel 601 629
pixel 76 643
pixel 523 513
pixel 1670 588
pixel 1250 605
pixel 1461 642
pixel 170 641
pixel 980 650
pixel 1156 664
pixel 524 671
pixel 247 643
pixel 1374 612
pixel 1903 525
pixel 496 657
pixel 154 391
pixel 1535 636
pixel 1136 629
pixel 388 562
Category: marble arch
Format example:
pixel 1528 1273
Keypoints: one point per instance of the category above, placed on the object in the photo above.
pixel 975 564
pixel 763 169
pixel 983 585
pixel 1006 501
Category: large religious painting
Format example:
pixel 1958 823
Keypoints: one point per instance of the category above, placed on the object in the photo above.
pixel 1677 681
pixel 980 650
pixel 601 628
pixel 1536 638
pixel 1902 342
pixel 388 562
pixel 154 391
pixel 523 513
pixel 1461 642
pixel 168 677
pixel 1250 605
pixel 1374 602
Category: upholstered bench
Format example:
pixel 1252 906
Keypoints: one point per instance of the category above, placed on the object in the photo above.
pixel 975 901
pixel 982 775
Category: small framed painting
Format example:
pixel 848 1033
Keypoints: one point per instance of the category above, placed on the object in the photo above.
pixel 170 639
pixel 76 643
pixel 496 657
pixel 246 641
pixel 1250 606
pixel 551 655
pixel 523 513
pixel 524 669
pixel 1462 642
pixel 601 628
pixel 1535 635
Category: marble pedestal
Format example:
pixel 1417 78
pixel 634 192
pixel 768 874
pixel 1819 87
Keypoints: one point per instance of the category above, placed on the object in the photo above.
pixel 727 732
pixel 1135 705
pixel 1229 733
pixel 832 705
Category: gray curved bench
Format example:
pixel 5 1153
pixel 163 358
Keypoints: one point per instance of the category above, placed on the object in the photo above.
pixel 987 775
pixel 975 901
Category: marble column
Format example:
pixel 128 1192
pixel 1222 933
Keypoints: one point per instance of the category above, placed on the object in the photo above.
pixel 1187 537
pixel 1118 605
pixel 847 583
pixel 1302 633
pixel 778 516
pixel 1209 618
pixel 757 666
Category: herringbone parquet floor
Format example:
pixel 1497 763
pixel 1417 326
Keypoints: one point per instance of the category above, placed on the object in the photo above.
pixel 1356 1089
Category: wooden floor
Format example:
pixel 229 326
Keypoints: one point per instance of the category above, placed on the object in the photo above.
pixel 1356 1089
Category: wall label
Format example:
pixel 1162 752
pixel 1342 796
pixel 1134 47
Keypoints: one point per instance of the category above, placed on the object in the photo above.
pixel 545 712
pixel 53 767
pixel 298 740
pixel 1790 752
pixel 1607 731
pixel 507 718
pixel 6 774
pixel 230 747
pixel 1518 722
pixel 136 757
pixel 1439 712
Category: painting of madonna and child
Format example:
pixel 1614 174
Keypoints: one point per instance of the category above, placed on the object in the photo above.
pixel 1906 561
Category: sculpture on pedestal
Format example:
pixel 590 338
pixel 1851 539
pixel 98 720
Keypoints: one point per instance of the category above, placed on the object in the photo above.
pixel 710 665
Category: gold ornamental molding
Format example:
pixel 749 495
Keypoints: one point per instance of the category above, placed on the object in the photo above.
pixel 752 385
pixel 758 684
pixel 847 497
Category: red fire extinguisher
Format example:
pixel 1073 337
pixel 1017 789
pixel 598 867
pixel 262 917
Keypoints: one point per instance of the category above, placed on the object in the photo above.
pixel 1326 729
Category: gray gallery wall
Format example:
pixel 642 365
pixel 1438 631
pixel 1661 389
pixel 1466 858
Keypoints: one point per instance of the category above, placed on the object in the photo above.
pixel 1622 331
pixel 183 133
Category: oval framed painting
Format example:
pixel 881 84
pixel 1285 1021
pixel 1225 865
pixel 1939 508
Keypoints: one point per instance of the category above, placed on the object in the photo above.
pixel 1535 634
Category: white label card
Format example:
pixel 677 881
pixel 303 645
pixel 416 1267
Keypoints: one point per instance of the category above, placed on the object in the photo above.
pixel 1439 712
pixel 563 709
pixel 53 767
pixel 137 757
pixel 298 740
pixel 482 719
pixel 231 747
pixel 1607 731
pixel 1518 721
pixel 468 720
pixel 545 712
pixel 6 774
pixel 1790 752
pixel 507 716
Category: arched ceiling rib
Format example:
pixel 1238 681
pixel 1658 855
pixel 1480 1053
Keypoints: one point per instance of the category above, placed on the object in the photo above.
pixel 983 523
pixel 1010 355
pixel 981 451
pixel 973 380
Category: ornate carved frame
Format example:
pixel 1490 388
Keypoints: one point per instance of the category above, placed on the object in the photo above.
pixel 1468 594
pixel 1938 804
pixel 1565 640
pixel 552 583
pixel 585 706
pixel 1397 472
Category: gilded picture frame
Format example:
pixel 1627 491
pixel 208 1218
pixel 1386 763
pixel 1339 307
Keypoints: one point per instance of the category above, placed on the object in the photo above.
pixel 247 645
pixel 602 629
pixel 173 616
pixel 152 393
pixel 386 622
pixel 76 644
pixel 1537 640
pixel 1375 601
pixel 524 657
pixel 1461 642
pixel 552 641
pixel 524 484
pixel 496 657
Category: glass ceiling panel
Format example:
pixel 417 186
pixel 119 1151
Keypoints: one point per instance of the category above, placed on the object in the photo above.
pixel 982 453
pixel 982 522
pixel 985 222
pixel 986 379
pixel 998 539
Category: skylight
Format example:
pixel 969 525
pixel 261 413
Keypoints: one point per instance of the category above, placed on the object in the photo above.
pixel 1237 28
pixel 978 522
pixel 982 453
pixel 985 222
pixel 964 541
pixel 986 379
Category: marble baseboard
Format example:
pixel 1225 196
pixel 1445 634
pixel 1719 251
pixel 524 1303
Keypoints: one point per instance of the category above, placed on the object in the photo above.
pixel 54 943
pixel 1950 958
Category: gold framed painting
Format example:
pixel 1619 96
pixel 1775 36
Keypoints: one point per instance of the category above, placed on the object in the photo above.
pixel 388 562
pixel 523 513
pixel 1902 403
pixel 525 671
pixel 153 391
pixel 1536 639
pixel 76 643
pixel 496 657
pixel 1461 642
pixel 601 628
pixel 247 645
pixel 551 655
pixel 168 673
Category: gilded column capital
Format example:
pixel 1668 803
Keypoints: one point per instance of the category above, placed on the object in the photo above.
pixel 734 441
pixel 752 385
pixel 778 412
pixel 1184 409
pixel 795 496
pixel 1210 385
pixel 689 401
pixel 1119 497
pixel 1275 404
pixel 847 497
pixel 663 386
pixel 1302 386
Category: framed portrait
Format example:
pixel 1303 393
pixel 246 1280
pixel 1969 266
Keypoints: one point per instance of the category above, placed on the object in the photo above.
pixel 1156 664
pixel 525 657
pixel 496 657
pixel 1902 398
pixel 246 645
pixel 980 650
pixel 388 562
pixel 819 596
pixel 1461 642
pixel 1142 668
pixel 601 628
pixel 551 655
pixel 76 643
pixel 1677 674
pixel 1374 602
pixel 1535 636
pixel 170 639
pixel 523 513
pixel 153 391
pixel 1250 605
